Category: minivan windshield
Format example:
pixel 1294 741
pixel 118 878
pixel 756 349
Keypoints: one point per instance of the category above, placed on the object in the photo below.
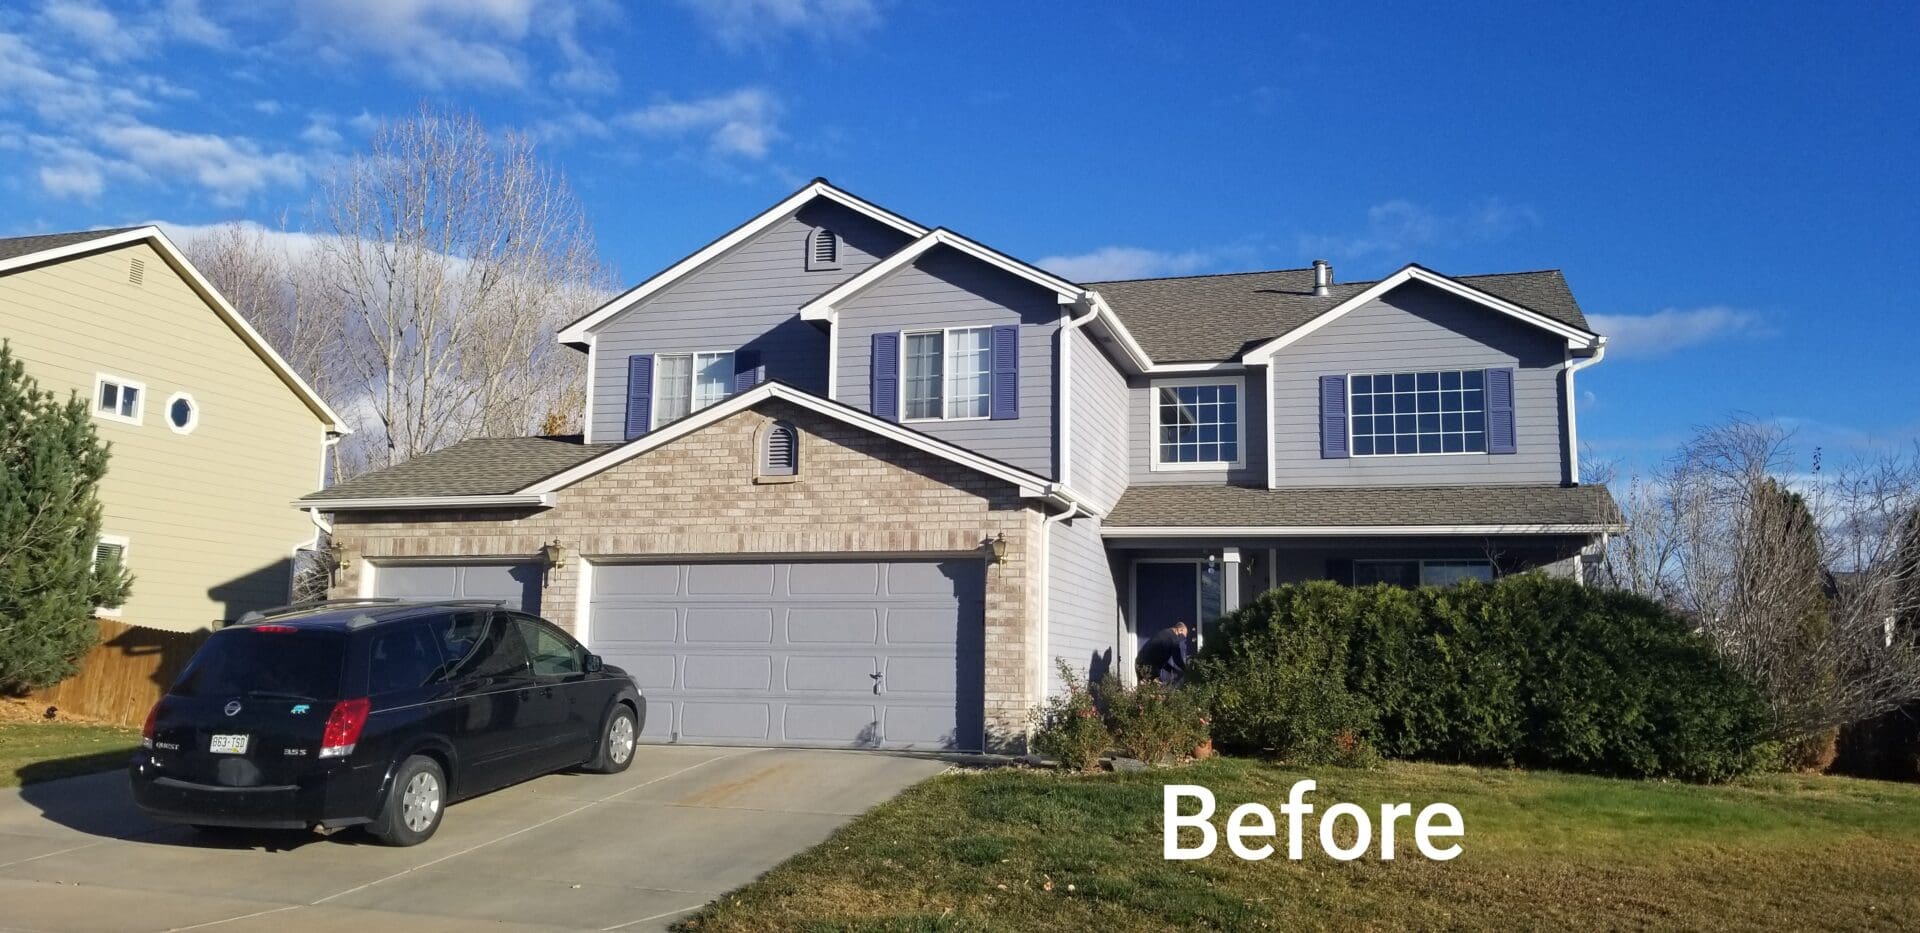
pixel 296 664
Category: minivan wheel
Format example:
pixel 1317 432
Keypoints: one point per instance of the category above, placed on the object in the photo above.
pixel 618 740
pixel 414 805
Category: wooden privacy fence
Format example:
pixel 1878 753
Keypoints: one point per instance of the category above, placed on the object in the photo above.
pixel 125 674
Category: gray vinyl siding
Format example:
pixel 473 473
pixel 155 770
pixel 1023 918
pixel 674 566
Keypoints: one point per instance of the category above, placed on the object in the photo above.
pixel 946 288
pixel 1253 443
pixel 1083 602
pixel 1099 434
pixel 748 298
pixel 1417 327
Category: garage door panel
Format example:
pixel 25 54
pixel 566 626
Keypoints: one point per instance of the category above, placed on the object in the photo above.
pixel 786 652
pixel 713 719
pixel 841 625
pixel 848 579
pixel 711 625
pixel 730 580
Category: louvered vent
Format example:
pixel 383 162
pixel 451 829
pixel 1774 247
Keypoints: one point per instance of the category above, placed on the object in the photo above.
pixel 823 250
pixel 104 553
pixel 137 271
pixel 783 452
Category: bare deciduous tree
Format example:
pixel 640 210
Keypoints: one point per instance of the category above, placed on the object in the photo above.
pixel 1797 578
pixel 450 257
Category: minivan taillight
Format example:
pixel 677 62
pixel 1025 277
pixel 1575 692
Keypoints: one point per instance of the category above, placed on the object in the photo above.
pixel 146 731
pixel 343 728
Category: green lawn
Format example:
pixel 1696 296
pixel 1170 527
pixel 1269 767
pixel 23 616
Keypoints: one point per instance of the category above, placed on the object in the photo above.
pixel 1012 849
pixel 31 752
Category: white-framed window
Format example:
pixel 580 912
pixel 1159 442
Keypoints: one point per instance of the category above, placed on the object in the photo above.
pixel 949 374
pixel 117 398
pixel 1199 423
pixel 183 413
pixel 1405 414
pixel 684 383
pixel 109 548
pixel 1412 573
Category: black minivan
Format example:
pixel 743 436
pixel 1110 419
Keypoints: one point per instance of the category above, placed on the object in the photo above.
pixel 377 713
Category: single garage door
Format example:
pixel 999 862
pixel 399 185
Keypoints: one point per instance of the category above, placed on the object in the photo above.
pixel 862 654
pixel 517 585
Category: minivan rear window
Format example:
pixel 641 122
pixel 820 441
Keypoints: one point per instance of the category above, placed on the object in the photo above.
pixel 302 664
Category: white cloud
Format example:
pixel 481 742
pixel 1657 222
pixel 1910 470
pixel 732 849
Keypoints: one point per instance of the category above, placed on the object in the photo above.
pixel 433 42
pixel 183 19
pixel 94 27
pixel 746 23
pixel 1398 227
pixel 320 132
pixel 72 181
pixel 1124 262
pixel 231 168
pixel 268 107
pixel 742 123
pixel 1662 332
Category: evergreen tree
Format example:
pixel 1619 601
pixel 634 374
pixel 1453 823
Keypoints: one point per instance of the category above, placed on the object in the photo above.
pixel 49 527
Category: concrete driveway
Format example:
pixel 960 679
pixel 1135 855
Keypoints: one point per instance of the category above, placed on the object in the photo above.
pixel 634 851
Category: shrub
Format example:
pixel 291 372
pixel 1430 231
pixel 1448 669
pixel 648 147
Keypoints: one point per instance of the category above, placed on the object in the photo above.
pixel 1068 727
pixel 1530 670
pixel 1154 722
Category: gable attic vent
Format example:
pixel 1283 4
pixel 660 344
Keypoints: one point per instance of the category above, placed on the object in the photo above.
pixel 1322 278
pixel 823 250
pixel 137 271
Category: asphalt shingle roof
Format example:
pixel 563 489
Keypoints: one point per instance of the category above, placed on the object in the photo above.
pixel 1201 506
pixel 1218 317
pixel 12 247
pixel 488 466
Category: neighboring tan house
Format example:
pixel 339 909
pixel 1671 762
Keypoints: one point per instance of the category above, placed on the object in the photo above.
pixel 849 480
pixel 211 432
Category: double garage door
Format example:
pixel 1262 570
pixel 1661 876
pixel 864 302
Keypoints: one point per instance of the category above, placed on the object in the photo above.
pixel 854 654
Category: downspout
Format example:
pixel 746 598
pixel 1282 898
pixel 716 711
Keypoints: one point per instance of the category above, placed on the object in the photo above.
pixel 322 526
pixel 1073 508
pixel 1068 325
pixel 1573 433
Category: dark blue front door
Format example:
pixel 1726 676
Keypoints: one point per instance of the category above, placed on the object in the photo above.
pixel 1164 593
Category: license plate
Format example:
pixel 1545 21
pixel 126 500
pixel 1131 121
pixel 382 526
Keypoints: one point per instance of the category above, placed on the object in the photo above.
pixel 228 745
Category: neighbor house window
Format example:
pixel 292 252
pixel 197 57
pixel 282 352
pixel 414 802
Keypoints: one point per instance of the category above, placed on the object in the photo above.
pixel 1412 573
pixel 949 374
pixel 1197 424
pixel 116 398
pixel 183 413
pixel 1442 412
pixel 687 382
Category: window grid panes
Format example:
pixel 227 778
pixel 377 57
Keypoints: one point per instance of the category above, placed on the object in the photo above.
pixel 1199 423
pixel 925 354
pixel 1441 412
pixel 969 372
pixel 712 379
pixel 687 382
pixel 118 399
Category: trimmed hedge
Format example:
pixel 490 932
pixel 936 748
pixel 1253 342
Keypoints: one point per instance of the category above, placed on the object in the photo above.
pixel 1530 671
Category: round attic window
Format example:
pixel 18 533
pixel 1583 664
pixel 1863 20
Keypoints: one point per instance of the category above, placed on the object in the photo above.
pixel 183 413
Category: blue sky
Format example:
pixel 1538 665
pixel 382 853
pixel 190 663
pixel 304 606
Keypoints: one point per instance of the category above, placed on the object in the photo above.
pixel 1732 194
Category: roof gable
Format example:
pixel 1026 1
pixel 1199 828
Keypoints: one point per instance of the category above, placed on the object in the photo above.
pixel 823 307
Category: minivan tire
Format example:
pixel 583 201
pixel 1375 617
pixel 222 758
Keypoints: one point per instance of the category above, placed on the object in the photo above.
pixel 619 739
pixel 415 803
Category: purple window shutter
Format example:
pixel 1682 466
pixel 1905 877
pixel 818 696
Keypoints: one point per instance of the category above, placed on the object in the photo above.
pixel 1500 438
pixel 1006 372
pixel 747 370
pixel 639 395
pixel 1333 417
pixel 884 379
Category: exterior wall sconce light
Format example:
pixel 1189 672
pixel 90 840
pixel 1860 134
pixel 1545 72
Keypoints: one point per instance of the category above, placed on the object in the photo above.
pixel 333 559
pixel 554 555
pixel 997 546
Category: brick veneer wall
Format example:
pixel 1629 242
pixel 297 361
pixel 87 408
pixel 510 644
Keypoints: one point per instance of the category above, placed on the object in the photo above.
pixel 858 494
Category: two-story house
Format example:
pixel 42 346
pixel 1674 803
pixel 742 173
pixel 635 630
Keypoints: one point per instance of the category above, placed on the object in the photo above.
pixel 850 480
pixel 210 433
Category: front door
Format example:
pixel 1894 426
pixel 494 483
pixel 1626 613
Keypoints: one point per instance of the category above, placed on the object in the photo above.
pixel 1164 592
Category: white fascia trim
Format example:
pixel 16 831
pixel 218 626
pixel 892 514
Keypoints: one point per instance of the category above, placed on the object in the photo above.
pixel 513 500
pixel 1030 485
pixel 1136 354
pixel 823 307
pixel 1343 531
pixel 178 260
pixel 576 333
pixel 1412 273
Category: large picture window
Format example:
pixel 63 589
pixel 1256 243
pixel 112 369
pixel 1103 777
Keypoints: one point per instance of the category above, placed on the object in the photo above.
pixel 1197 424
pixel 1396 414
pixel 684 383
pixel 1412 573
pixel 949 374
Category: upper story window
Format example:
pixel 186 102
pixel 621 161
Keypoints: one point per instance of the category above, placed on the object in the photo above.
pixel 949 374
pixel 1441 412
pixel 183 413
pixel 117 398
pixel 687 382
pixel 823 250
pixel 1198 424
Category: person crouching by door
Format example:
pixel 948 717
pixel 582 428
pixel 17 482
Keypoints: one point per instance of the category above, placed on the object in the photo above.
pixel 1165 655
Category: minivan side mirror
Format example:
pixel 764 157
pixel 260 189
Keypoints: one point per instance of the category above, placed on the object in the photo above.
pixel 594 665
